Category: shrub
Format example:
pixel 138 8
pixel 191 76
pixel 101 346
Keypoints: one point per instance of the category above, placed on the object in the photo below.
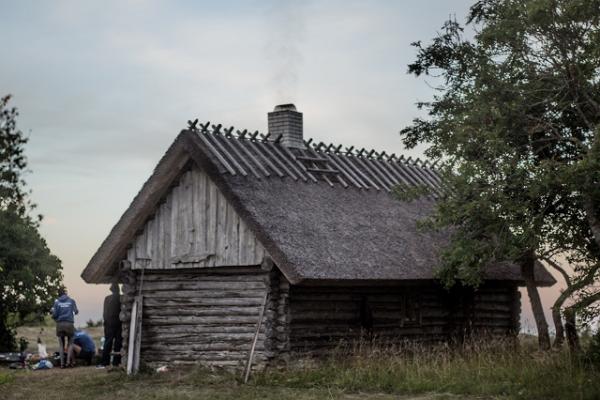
pixel 592 353
pixel 23 343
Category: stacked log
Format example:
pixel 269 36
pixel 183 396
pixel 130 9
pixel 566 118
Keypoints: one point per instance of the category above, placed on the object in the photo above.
pixel 204 316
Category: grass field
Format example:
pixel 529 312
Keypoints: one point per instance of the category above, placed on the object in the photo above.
pixel 479 370
pixel 48 335
pixel 91 384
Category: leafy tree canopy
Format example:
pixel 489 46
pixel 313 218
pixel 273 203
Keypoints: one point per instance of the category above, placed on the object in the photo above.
pixel 30 275
pixel 515 124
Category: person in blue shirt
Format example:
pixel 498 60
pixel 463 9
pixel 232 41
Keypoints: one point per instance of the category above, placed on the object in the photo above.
pixel 83 346
pixel 63 312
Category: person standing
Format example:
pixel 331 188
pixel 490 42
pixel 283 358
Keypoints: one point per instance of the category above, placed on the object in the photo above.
pixel 113 339
pixel 63 312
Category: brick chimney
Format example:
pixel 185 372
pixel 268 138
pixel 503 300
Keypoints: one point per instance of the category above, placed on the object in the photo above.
pixel 284 120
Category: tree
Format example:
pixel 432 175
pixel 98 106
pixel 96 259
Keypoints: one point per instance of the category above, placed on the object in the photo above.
pixel 30 275
pixel 514 125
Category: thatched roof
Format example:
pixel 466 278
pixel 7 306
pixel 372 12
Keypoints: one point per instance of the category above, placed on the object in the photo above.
pixel 323 214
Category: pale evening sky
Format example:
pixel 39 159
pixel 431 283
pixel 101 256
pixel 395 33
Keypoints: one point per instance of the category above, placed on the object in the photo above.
pixel 104 87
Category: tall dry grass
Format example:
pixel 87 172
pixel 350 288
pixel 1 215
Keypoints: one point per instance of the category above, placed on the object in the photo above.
pixel 480 367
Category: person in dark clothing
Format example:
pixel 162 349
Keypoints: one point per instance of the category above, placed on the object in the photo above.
pixel 112 327
pixel 63 312
pixel 84 346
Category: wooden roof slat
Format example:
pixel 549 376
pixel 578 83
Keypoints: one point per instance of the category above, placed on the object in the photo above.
pixel 385 168
pixel 366 181
pixel 294 161
pixel 313 159
pixel 410 173
pixel 434 176
pixel 257 148
pixel 269 145
pixel 243 144
pixel 341 180
pixel 437 183
pixel 382 173
pixel 368 170
pixel 234 145
pixel 401 169
pixel 414 173
pixel 218 144
pixel 346 173
pixel 431 183
pixel 283 158
pixel 400 178
pixel 322 170
pixel 326 179
pixel 216 153
pixel 327 160
pixel 363 170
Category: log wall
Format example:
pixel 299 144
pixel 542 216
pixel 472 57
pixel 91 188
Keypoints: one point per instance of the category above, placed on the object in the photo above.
pixel 321 317
pixel 206 316
pixel 195 227
pixel 209 316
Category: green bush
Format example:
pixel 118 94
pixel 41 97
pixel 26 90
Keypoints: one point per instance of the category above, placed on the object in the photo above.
pixel 23 343
pixel 592 353
pixel 5 378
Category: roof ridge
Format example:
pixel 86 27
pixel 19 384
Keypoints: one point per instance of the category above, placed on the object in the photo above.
pixel 321 147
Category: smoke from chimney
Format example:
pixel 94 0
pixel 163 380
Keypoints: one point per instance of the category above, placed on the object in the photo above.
pixel 286 24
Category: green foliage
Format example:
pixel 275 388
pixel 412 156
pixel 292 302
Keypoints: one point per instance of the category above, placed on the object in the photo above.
pixel 592 353
pixel 23 343
pixel 514 126
pixel 91 324
pixel 30 275
pixel 12 160
pixel 5 378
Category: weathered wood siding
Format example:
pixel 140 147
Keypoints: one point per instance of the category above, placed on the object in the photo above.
pixel 209 316
pixel 203 316
pixel 195 227
pixel 321 317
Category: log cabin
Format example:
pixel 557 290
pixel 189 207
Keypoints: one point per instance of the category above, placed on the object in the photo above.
pixel 242 246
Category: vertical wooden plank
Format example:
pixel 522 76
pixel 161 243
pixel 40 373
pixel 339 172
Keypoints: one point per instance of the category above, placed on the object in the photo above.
pixel 131 256
pixel 135 337
pixel 259 252
pixel 241 237
pixel 232 236
pixel 149 239
pixel 211 227
pixel 220 229
pixel 167 231
pixel 195 210
pixel 187 232
pixel 203 211
pixel 174 222
pixel 140 246
pixel 157 257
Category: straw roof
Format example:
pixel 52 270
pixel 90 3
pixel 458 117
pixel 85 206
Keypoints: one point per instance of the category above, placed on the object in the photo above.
pixel 324 214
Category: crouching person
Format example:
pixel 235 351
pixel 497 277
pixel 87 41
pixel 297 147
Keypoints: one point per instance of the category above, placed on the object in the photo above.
pixel 84 347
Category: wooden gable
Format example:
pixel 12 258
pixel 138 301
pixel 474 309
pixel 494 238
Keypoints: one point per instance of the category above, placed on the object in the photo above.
pixel 195 227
